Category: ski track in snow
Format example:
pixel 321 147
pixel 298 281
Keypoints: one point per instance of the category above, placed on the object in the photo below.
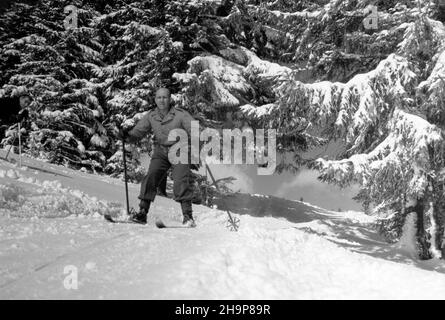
pixel 51 217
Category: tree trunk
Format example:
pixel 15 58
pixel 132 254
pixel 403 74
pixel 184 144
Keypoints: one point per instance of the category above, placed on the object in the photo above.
pixel 422 241
pixel 439 217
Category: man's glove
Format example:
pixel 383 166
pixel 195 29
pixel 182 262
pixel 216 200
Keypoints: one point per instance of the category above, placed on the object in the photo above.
pixel 23 114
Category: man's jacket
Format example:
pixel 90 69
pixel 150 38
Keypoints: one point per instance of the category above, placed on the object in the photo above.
pixel 161 126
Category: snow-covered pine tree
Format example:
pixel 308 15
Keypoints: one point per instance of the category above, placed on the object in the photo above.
pixel 378 91
pixel 391 122
pixel 51 63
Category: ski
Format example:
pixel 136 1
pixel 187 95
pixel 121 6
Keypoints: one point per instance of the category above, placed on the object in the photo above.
pixel 161 225
pixel 110 219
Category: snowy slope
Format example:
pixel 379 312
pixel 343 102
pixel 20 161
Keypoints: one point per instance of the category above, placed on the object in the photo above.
pixel 50 218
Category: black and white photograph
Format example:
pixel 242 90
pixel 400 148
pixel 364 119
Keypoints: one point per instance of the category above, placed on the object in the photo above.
pixel 222 151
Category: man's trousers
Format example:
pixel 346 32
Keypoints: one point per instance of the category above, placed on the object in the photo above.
pixel 159 165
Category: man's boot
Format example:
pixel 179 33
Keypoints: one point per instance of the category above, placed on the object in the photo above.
pixel 141 216
pixel 188 220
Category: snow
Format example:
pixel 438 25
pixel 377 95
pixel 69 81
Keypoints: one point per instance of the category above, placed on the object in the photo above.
pixel 144 29
pixel 258 111
pixel 432 230
pixel 221 76
pixel 302 14
pixel 50 222
pixel 436 78
pixel 410 39
pixel 99 141
pixel 407 242
pixel 263 67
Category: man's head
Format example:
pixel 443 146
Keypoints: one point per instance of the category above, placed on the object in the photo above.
pixel 25 101
pixel 162 99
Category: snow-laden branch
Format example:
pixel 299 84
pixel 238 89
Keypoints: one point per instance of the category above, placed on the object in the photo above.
pixel 352 107
pixel 405 131
pixel 226 82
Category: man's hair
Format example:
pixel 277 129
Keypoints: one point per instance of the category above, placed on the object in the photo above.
pixel 164 88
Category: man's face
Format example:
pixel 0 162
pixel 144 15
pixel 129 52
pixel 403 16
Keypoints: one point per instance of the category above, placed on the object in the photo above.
pixel 162 99
pixel 25 101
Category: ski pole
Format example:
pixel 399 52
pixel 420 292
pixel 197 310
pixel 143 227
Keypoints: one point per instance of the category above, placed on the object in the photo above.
pixel 206 191
pixel 20 147
pixel 125 175
pixel 233 222
pixel 13 141
pixel 9 150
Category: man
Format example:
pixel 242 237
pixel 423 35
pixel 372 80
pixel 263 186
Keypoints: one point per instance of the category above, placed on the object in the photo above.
pixel 161 121
pixel 162 188
pixel 13 110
